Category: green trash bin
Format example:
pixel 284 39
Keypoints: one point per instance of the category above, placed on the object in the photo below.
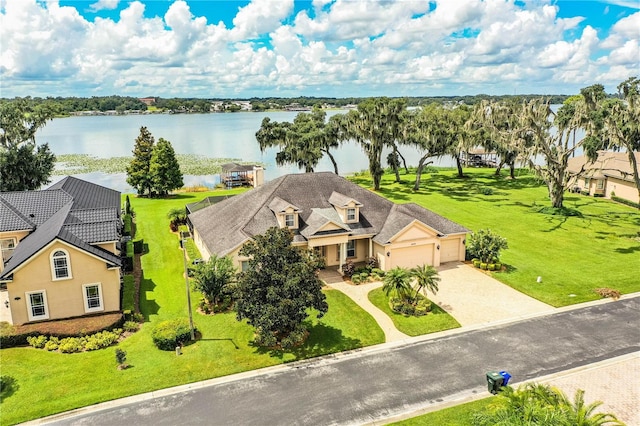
pixel 494 381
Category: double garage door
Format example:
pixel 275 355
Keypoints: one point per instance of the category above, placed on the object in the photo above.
pixel 412 256
pixel 409 257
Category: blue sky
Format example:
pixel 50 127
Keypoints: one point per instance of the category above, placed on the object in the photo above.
pixel 337 48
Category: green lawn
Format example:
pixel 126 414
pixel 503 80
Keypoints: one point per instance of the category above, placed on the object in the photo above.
pixel 459 415
pixel 436 320
pixel 573 255
pixel 47 383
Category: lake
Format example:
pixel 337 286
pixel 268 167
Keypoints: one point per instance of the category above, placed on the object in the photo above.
pixel 229 135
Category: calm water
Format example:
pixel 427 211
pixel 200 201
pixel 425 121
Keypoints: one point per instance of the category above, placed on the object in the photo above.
pixel 210 135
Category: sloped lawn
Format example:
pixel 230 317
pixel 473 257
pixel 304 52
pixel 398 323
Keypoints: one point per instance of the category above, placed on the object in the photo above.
pixel 46 383
pixel 436 320
pixel 573 254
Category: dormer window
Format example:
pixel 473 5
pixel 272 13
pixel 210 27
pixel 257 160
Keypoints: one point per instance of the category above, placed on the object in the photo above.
pixel 290 220
pixel 60 268
pixel 347 207
pixel 286 213
pixel 351 215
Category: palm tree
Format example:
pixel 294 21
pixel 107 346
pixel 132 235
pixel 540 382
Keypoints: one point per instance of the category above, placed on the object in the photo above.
pixel 397 281
pixel 426 278
pixel 538 404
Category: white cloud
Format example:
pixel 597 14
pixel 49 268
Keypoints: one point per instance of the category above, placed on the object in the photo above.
pixel 260 17
pixel 341 48
pixel 104 5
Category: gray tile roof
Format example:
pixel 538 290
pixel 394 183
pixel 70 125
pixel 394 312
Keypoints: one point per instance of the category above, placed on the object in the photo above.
pixel 77 212
pixel 228 224
pixel 319 218
pixel 341 200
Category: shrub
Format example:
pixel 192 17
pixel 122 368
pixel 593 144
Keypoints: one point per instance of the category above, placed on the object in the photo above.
pixel 138 246
pixel 372 262
pixel 70 345
pixel 169 334
pixel 484 266
pixel 486 190
pixel 131 326
pixel 137 317
pixel 52 344
pixel 485 245
pixel 608 292
pixel 476 262
pixel 9 338
pixel 128 224
pixel 356 279
pixel 348 269
pixel 491 266
pixel 37 342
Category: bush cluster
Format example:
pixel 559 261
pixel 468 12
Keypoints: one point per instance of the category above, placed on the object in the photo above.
pixel 92 342
pixel 169 334
pixel 487 266
pixel 420 308
pixel 366 274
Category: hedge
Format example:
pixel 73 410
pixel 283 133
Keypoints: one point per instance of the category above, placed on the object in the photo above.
pixel 625 201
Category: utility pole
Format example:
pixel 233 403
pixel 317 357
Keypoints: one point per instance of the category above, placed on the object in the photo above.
pixel 186 283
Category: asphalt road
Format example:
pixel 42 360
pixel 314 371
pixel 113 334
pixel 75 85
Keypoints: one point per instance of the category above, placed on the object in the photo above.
pixel 370 385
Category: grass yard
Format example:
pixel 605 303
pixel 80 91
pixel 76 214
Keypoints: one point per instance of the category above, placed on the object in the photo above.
pixel 47 383
pixel 573 255
pixel 459 415
pixel 436 320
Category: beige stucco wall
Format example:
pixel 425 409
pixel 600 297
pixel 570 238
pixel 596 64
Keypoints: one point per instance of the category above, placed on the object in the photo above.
pixel 204 251
pixel 110 247
pixel 623 189
pixel 17 236
pixel 64 297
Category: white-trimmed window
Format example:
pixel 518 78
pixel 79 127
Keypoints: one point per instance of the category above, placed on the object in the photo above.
pixel 351 214
pixel 37 308
pixel 244 265
pixel 600 184
pixel 290 220
pixel 92 294
pixel 60 266
pixel 351 248
pixel 7 245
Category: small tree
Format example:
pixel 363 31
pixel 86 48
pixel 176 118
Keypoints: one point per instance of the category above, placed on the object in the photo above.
pixel 212 278
pixel 178 217
pixel 397 281
pixel 121 358
pixel 426 279
pixel 485 245
pixel 24 165
pixel 138 170
pixel 279 286
pixel 164 168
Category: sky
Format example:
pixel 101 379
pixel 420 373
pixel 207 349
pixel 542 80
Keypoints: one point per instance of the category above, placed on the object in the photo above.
pixel 320 48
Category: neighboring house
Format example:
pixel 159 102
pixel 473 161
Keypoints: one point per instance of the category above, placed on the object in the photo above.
pixel 339 219
pixel 610 174
pixel 60 256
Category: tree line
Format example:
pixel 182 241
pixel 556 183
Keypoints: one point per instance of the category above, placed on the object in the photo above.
pixel 519 130
pixel 62 106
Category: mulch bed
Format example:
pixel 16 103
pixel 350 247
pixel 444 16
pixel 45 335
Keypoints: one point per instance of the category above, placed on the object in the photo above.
pixel 72 327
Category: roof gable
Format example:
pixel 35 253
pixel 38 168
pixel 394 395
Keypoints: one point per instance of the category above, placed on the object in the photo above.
pixel 342 201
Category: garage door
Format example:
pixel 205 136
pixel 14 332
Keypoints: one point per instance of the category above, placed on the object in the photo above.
pixel 449 250
pixel 409 257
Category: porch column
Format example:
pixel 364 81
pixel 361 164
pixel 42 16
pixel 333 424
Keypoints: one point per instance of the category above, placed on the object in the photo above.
pixel 343 256
pixel 370 247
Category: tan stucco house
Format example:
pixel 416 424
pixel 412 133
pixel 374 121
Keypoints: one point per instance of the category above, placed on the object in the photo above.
pixel 338 218
pixel 610 174
pixel 60 257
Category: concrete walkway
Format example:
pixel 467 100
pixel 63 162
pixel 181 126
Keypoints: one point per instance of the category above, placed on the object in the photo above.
pixel 358 293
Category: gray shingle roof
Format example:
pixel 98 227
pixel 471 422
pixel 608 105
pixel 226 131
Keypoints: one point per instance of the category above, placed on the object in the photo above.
pixel 341 200
pixel 74 211
pixel 228 224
